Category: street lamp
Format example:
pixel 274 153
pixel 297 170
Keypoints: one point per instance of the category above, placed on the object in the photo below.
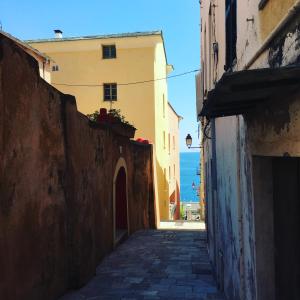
pixel 189 141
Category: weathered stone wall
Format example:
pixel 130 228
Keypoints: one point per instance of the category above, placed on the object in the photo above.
pixel 271 130
pixel 56 184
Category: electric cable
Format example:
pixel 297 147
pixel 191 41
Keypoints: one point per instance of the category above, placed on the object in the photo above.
pixel 205 130
pixel 129 83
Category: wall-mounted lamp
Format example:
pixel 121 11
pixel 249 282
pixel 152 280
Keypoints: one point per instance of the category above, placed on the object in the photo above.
pixel 215 47
pixel 189 141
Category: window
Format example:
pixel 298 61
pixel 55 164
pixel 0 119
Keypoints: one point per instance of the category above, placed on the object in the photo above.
pixel 169 173
pixel 164 139
pixel 109 51
pixel 173 142
pixel 110 91
pixel 55 68
pixel 231 33
pixel 165 178
pixel 169 143
pixel 174 171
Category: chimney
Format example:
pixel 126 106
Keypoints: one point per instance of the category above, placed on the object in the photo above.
pixel 58 34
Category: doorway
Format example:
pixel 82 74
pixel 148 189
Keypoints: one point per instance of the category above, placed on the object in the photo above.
pixel 120 206
pixel 276 182
pixel 286 196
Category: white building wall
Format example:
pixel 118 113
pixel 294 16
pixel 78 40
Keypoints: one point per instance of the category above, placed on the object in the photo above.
pixel 230 214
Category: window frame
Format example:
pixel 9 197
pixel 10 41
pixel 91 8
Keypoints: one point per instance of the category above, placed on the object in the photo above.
pixel 230 33
pixel 110 52
pixel 55 68
pixel 111 96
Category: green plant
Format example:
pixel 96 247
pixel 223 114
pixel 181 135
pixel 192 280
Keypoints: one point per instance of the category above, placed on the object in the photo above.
pixel 113 112
pixel 94 116
pixel 117 114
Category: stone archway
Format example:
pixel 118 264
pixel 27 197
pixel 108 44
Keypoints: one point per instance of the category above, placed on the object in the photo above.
pixel 120 202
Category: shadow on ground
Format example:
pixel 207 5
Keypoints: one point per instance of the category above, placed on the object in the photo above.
pixel 154 264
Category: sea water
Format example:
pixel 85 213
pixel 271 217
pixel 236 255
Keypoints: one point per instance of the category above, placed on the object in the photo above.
pixel 189 164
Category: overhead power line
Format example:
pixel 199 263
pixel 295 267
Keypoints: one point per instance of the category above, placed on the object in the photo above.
pixel 130 83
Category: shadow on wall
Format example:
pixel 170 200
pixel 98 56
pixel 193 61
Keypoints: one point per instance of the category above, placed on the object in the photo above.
pixel 56 184
pixel 163 192
pixel 174 200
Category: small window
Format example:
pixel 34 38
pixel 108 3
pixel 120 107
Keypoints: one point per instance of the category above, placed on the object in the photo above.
pixel 109 51
pixel 173 142
pixel 174 171
pixel 110 91
pixel 164 139
pixel 55 68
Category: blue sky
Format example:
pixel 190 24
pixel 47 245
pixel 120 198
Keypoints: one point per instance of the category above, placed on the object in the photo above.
pixel 179 20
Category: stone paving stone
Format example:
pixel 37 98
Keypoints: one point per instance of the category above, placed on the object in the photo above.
pixel 154 264
pixel 74 296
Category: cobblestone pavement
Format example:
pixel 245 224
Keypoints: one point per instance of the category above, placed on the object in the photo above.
pixel 154 264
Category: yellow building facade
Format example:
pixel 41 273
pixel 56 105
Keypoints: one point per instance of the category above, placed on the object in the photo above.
pixel 119 71
pixel 174 163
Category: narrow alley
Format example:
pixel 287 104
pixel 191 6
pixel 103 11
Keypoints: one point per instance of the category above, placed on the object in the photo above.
pixel 154 264
pixel 150 150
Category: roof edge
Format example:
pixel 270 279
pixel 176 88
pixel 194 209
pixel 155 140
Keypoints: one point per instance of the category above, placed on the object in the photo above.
pixel 105 36
pixel 25 45
pixel 179 116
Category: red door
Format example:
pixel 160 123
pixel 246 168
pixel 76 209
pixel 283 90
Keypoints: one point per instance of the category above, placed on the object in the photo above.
pixel 121 200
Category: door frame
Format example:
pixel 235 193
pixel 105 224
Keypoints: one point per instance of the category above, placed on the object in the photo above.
pixel 121 163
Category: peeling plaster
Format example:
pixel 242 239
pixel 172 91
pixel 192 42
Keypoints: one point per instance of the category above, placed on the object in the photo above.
pixel 285 50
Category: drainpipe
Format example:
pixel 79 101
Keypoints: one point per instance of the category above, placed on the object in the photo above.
pixel 293 11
